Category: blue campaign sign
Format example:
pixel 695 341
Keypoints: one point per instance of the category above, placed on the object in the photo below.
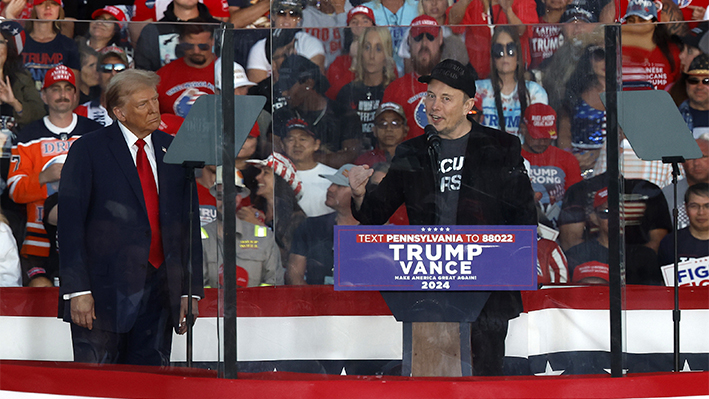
pixel 435 258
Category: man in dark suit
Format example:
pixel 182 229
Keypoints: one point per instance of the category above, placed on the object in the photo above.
pixel 479 179
pixel 124 234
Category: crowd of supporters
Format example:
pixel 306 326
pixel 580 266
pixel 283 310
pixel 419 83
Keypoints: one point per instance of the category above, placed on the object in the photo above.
pixel 341 79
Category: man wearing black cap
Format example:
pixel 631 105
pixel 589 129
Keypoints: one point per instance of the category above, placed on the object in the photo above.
pixel 480 180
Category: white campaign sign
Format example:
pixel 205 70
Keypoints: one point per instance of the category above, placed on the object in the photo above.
pixel 694 272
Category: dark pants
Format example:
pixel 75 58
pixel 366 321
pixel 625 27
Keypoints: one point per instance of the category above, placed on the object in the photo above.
pixel 149 341
pixel 487 336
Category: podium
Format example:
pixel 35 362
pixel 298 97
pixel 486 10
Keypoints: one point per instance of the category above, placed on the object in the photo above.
pixel 436 330
pixel 437 283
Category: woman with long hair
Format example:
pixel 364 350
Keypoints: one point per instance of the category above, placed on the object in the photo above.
pixel 275 202
pixel 19 99
pixel 105 30
pixel 582 118
pixel 46 47
pixel 649 53
pixel 341 71
pixel 507 94
pixel 374 70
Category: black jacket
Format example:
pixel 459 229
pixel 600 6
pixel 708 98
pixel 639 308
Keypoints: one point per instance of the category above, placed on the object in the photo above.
pixel 495 190
pixel 495 187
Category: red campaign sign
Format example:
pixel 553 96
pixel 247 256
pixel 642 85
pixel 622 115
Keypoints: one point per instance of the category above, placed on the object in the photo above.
pixel 413 258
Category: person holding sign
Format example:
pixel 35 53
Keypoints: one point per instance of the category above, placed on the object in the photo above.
pixel 692 241
pixel 479 179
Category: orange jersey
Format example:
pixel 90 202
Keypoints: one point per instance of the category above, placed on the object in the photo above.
pixel 36 149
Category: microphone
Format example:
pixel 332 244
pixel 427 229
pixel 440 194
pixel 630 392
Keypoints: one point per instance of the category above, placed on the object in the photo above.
pixel 434 148
pixel 432 138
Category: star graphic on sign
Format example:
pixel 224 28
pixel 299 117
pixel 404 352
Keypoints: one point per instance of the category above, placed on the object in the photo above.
pixel 435 229
pixel 448 229
pixel 423 229
pixel 429 229
pixel 550 371
pixel 625 371
pixel 686 366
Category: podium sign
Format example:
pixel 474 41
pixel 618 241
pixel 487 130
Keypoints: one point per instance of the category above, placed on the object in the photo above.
pixel 435 258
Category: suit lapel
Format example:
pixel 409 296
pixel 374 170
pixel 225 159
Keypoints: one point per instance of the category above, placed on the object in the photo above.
pixel 124 159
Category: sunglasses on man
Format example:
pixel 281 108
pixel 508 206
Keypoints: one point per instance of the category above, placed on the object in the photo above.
pixel 289 13
pixel 603 213
pixel 108 68
pixel 429 36
pixel 499 50
pixel 190 46
pixel 695 81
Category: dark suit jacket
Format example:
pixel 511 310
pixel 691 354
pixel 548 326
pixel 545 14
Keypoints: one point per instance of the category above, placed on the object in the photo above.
pixel 495 190
pixel 104 231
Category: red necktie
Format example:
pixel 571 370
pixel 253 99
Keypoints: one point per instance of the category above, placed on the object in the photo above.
pixel 150 192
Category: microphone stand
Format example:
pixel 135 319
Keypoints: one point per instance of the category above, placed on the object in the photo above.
pixel 675 161
pixel 190 166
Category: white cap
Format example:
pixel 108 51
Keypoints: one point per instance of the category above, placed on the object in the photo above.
pixel 238 180
pixel 240 78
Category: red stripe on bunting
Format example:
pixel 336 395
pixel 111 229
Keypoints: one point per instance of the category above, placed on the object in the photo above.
pixel 291 301
pixel 99 382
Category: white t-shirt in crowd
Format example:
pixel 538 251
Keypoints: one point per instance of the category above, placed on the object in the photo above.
pixel 315 190
pixel 305 45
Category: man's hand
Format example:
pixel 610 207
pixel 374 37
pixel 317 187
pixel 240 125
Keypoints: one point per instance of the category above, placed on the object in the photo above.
pixel 506 5
pixel 183 313
pixel 82 311
pixel 251 215
pixel 52 173
pixel 14 9
pixel 697 12
pixel 40 281
pixel 359 177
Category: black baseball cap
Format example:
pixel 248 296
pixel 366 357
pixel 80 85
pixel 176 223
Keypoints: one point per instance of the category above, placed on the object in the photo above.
pixel 295 68
pixel 455 75
pixel 695 36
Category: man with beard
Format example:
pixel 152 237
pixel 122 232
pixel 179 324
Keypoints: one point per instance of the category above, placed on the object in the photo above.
pixel 157 42
pixel 425 40
pixel 36 166
pixel 190 76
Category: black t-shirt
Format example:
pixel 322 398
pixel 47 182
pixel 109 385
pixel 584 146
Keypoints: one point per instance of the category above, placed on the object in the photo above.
pixel 646 206
pixel 364 100
pixel 699 118
pixel 688 247
pixel 450 167
pixel 314 240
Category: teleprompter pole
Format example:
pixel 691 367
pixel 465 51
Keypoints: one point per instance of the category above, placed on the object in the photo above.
pixel 615 187
pixel 229 204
